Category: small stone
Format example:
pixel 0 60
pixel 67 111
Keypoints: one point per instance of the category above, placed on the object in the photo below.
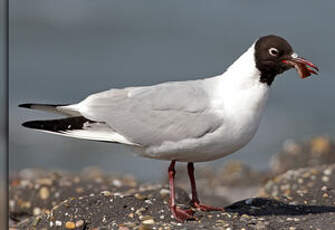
pixel 164 193
pixel 58 223
pixel 148 201
pixel 121 227
pixel 292 228
pixel 145 217
pixel 106 193
pixel 117 183
pixel 327 172
pixel 131 215
pixel 11 203
pixel 76 179
pixel 325 179
pixel 130 224
pixel 324 188
pixel 139 211
pixel 320 145
pixel 25 204
pixel 36 211
pixel 325 195
pixel 79 190
pixel 140 196
pixel 148 221
pixel 44 193
pixel 144 227
pixel 79 223
pixel 70 225
pixel 44 181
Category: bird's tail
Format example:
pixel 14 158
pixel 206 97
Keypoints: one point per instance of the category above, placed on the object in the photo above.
pixel 77 127
pixel 60 109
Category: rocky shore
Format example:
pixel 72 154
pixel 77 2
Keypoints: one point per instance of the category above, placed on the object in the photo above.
pixel 292 194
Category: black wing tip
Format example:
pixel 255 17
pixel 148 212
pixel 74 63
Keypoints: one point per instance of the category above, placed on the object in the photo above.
pixel 58 125
pixel 32 124
pixel 27 105
pixel 30 105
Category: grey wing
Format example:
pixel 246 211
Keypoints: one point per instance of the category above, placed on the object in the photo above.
pixel 151 115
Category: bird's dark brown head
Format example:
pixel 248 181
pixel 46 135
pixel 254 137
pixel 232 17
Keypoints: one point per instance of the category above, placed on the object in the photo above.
pixel 274 55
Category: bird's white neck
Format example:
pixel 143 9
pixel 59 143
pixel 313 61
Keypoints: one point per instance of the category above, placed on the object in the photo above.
pixel 244 69
pixel 239 89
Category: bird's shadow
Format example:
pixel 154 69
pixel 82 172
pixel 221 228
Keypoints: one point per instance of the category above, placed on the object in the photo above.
pixel 265 207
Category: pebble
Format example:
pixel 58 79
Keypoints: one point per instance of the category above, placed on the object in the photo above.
pixel 44 181
pixel 79 223
pixel 121 227
pixel 70 225
pixel 11 203
pixel 324 188
pixel 139 211
pixel 117 183
pixel 164 193
pixel 58 223
pixel 36 211
pixel 106 193
pixel 79 190
pixel 144 227
pixel 26 204
pixel 327 172
pixel 44 193
pixel 145 217
pixel 148 221
pixel 140 196
pixel 325 179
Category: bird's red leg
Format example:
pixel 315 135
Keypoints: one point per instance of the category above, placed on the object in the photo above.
pixel 178 213
pixel 195 199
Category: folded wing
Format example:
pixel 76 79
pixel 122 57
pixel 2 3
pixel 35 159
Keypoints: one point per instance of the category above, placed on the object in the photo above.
pixel 151 115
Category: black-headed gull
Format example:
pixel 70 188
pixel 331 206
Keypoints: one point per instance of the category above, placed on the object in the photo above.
pixel 189 121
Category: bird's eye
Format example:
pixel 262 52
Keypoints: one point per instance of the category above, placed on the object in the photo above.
pixel 273 52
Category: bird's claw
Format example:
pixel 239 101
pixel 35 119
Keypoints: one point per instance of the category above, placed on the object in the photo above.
pixel 182 214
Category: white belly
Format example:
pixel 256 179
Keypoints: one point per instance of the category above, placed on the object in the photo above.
pixel 207 148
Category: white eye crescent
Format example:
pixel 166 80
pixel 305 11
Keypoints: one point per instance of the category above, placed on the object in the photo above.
pixel 294 55
pixel 273 52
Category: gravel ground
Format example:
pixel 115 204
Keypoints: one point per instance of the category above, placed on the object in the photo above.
pixel 275 199
pixel 36 190
pixel 294 200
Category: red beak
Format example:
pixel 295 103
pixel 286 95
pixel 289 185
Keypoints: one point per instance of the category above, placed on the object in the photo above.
pixel 301 65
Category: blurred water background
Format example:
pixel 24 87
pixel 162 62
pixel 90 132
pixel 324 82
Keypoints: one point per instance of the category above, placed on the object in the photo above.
pixel 61 51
